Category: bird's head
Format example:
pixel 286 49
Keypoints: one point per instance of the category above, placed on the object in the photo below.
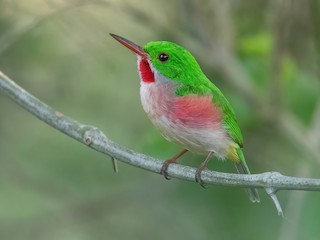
pixel 167 58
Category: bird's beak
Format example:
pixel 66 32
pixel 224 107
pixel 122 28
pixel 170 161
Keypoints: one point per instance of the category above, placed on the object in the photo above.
pixel 132 46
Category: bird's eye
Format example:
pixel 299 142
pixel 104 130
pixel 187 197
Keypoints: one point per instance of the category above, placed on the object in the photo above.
pixel 163 57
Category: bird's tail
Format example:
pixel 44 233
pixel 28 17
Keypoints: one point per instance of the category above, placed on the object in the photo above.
pixel 242 168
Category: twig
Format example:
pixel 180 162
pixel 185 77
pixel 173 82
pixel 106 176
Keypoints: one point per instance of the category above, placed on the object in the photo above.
pixel 114 164
pixel 96 139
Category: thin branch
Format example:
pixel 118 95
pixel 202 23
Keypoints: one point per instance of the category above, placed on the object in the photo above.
pixel 96 139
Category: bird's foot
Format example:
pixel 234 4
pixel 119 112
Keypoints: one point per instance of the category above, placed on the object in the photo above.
pixel 202 167
pixel 165 165
pixel 164 168
pixel 198 176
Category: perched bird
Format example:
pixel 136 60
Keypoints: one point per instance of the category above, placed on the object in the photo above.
pixel 186 106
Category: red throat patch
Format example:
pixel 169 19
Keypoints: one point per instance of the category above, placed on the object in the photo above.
pixel 145 71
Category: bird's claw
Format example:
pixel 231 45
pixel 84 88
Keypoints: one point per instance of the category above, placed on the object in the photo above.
pixel 165 165
pixel 164 169
pixel 198 178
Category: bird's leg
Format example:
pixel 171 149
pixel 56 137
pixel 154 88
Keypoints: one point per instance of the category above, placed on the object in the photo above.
pixel 202 166
pixel 166 164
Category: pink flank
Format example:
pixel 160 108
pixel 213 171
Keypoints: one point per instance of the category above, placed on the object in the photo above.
pixel 145 72
pixel 195 111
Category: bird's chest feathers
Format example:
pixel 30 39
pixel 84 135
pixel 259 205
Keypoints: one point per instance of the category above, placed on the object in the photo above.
pixel 160 102
pixel 193 120
pixel 156 91
pixel 163 106
pixel 156 99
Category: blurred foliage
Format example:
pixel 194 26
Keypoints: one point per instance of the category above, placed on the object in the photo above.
pixel 265 57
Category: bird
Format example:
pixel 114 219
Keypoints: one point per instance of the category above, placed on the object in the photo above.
pixel 187 107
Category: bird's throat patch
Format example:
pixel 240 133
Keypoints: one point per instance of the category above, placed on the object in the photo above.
pixel 146 73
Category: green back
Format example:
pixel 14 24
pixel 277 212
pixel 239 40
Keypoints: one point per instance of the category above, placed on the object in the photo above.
pixel 183 68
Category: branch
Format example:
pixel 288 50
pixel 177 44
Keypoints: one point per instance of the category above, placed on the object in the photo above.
pixel 96 139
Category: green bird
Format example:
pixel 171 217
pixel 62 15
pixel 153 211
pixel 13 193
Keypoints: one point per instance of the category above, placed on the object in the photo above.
pixel 187 107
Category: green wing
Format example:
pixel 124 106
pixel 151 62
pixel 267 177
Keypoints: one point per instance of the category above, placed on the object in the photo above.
pixel 229 117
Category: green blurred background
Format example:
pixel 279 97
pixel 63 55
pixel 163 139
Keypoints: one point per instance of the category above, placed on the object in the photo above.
pixel 265 57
